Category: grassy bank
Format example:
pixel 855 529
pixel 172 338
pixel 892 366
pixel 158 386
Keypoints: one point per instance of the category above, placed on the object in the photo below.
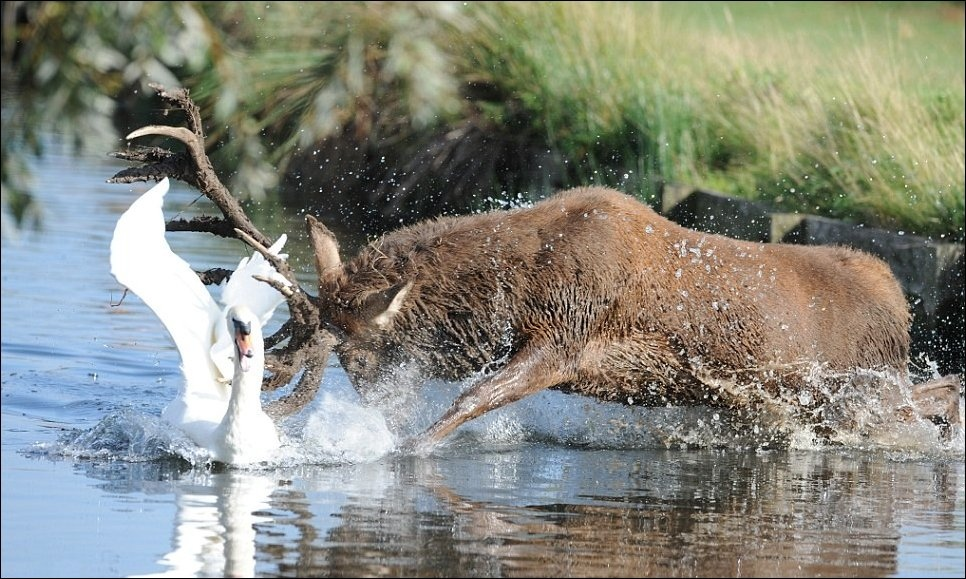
pixel 853 110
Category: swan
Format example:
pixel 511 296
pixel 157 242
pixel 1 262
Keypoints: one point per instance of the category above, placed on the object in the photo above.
pixel 208 409
pixel 245 434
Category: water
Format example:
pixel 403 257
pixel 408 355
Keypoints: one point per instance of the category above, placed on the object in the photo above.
pixel 94 485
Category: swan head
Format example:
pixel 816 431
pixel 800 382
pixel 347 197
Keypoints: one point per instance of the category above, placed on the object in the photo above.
pixel 245 329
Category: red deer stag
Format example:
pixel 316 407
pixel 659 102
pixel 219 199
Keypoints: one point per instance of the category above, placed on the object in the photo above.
pixel 592 292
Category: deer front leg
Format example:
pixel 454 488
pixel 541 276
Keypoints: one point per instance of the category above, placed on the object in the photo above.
pixel 528 372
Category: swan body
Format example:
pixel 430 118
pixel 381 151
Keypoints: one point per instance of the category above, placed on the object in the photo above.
pixel 201 328
pixel 245 433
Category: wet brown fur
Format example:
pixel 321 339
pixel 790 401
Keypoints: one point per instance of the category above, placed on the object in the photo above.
pixel 592 292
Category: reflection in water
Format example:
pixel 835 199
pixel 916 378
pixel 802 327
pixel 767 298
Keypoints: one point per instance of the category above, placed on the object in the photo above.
pixel 545 511
pixel 216 524
pixel 540 511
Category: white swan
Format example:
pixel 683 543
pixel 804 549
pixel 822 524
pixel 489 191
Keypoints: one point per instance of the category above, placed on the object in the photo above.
pixel 203 331
pixel 245 433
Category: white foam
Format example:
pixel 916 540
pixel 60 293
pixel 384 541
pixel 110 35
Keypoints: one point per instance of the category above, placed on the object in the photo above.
pixel 341 430
pixel 339 427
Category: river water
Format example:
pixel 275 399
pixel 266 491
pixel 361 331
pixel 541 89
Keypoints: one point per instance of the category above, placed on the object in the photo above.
pixel 94 485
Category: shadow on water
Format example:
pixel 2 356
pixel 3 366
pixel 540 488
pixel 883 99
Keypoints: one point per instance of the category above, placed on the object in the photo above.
pixel 95 485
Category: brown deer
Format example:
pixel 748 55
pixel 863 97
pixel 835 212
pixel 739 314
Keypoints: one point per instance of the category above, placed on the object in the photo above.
pixel 592 292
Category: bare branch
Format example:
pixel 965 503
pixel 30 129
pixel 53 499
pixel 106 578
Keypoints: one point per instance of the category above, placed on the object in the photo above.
pixel 158 164
pixel 203 224
pixel 139 154
pixel 279 264
pixel 180 97
pixel 194 169
pixel 196 147
pixel 282 334
pixel 310 381
pixel 284 289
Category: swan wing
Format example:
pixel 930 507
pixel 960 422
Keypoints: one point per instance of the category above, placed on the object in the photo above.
pixel 243 289
pixel 142 261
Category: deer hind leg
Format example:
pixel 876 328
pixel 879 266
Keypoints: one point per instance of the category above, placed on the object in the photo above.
pixel 528 372
pixel 938 400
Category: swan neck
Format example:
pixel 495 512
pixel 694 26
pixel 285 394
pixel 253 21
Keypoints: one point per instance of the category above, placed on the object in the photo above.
pixel 246 388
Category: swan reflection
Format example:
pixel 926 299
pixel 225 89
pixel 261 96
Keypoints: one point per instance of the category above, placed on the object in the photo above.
pixel 216 524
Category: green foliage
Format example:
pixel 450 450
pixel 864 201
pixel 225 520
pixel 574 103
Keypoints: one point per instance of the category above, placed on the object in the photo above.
pixel 852 110
pixel 292 75
pixel 861 118
pixel 71 63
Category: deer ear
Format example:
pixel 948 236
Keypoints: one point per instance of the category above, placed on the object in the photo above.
pixel 326 249
pixel 382 307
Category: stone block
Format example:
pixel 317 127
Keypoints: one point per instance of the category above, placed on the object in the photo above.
pixel 716 213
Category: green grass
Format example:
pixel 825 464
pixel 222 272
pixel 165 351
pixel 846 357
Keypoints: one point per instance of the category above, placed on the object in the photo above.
pixel 852 110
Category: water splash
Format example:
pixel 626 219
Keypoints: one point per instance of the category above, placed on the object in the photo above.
pixel 336 431
pixel 865 410
pixel 345 432
pixel 126 434
pixel 857 410
pixel 877 410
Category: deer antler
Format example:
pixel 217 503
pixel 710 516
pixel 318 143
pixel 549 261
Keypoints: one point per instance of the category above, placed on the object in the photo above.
pixel 309 345
pixel 199 171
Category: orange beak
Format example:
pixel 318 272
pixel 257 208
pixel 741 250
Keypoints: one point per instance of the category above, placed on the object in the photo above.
pixel 243 346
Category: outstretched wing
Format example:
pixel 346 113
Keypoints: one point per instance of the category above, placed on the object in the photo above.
pixel 243 289
pixel 143 262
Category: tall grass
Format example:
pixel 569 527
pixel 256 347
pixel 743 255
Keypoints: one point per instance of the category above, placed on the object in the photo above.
pixel 847 109
pixel 852 123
